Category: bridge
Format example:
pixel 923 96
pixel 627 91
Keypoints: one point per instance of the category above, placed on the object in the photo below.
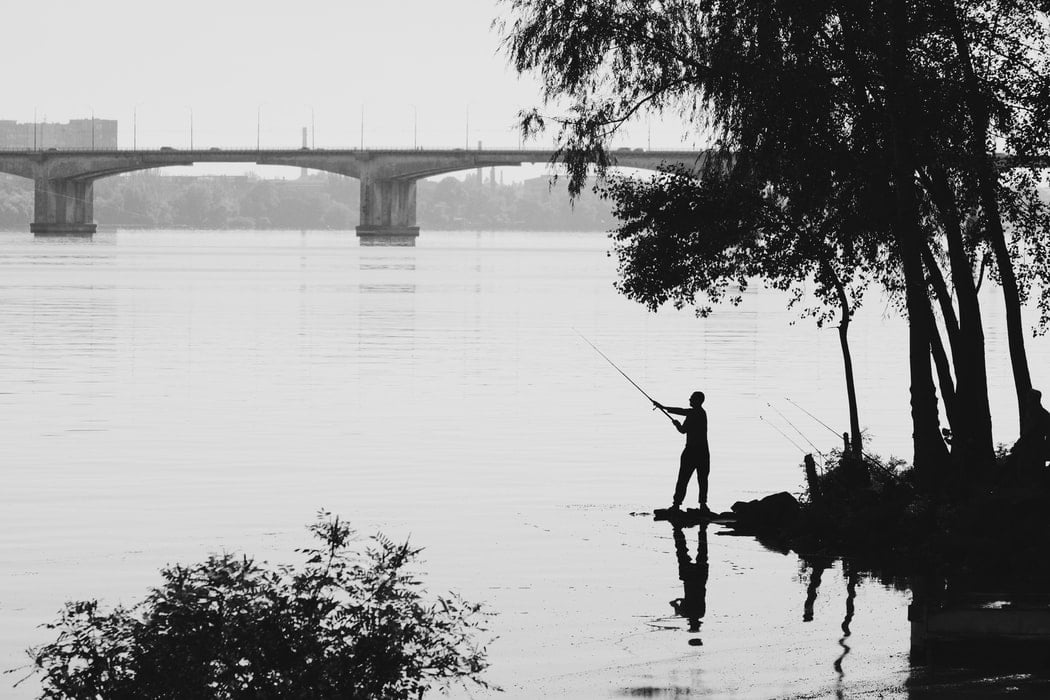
pixel 63 202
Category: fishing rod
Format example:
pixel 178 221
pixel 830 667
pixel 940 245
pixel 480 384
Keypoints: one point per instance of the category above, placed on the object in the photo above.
pixel 871 458
pixel 635 385
pixel 763 419
pixel 815 448
pixel 832 430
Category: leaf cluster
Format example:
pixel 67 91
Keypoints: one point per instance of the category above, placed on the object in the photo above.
pixel 698 242
pixel 807 103
pixel 347 623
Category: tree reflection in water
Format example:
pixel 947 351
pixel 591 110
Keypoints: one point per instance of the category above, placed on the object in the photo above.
pixel 817 566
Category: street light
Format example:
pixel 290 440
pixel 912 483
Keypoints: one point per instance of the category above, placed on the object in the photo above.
pixel 34 128
pixel 362 126
pixel 92 128
pixel 258 127
pixel 415 127
pixel 466 145
pixel 191 128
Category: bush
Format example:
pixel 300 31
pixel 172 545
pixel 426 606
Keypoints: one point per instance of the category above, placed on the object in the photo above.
pixel 346 624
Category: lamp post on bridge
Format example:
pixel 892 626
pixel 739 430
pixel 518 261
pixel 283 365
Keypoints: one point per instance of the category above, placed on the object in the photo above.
pixel 191 128
pixel 415 128
pixel 258 127
pixel 34 128
pixel 92 128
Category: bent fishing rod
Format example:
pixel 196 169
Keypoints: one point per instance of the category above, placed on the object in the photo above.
pixel 633 383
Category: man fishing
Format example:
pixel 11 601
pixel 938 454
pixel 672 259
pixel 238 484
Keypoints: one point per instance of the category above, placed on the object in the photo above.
pixel 697 455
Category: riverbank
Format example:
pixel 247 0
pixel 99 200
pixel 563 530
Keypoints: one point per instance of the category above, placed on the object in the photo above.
pixel 895 518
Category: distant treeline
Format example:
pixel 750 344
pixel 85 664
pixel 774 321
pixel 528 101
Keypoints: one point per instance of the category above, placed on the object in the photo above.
pixel 317 201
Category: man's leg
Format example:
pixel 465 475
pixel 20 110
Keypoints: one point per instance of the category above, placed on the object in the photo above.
pixel 685 470
pixel 703 470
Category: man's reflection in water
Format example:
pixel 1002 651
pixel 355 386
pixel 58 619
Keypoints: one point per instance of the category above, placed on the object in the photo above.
pixel 693 574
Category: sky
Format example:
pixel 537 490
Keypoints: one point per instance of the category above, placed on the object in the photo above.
pixel 243 67
pixel 425 73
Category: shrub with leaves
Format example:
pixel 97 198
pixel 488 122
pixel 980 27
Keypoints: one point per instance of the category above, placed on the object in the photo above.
pixel 351 622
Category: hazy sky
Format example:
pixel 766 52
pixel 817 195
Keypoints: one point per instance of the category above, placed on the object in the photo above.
pixel 426 72
pixel 231 61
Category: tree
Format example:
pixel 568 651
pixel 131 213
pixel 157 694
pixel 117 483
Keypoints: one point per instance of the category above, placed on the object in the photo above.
pixel 892 100
pixel 261 201
pixel 192 206
pixel 689 241
pixel 345 624
pixel 338 216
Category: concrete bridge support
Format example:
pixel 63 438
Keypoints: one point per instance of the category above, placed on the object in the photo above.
pixel 63 207
pixel 388 210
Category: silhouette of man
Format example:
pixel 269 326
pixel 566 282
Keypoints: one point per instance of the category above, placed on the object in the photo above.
pixel 1032 449
pixel 696 457
pixel 1038 419
pixel 693 575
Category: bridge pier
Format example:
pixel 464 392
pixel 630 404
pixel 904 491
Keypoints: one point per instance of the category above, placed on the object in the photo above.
pixel 63 207
pixel 388 211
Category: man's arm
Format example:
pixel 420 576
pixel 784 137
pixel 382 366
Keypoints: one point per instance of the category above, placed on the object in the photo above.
pixel 672 409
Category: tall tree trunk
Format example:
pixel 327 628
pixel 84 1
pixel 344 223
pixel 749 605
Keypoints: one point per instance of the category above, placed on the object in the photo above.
pixel 943 296
pixel 856 440
pixel 988 180
pixel 930 452
pixel 973 446
pixel 944 380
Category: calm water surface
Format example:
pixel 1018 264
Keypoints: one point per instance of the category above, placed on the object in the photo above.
pixel 169 394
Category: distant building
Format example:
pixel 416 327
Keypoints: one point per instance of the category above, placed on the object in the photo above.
pixel 75 134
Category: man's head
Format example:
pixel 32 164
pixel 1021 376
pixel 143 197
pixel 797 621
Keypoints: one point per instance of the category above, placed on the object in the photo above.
pixel 696 399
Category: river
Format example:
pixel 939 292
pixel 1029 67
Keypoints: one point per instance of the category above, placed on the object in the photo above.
pixel 166 394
